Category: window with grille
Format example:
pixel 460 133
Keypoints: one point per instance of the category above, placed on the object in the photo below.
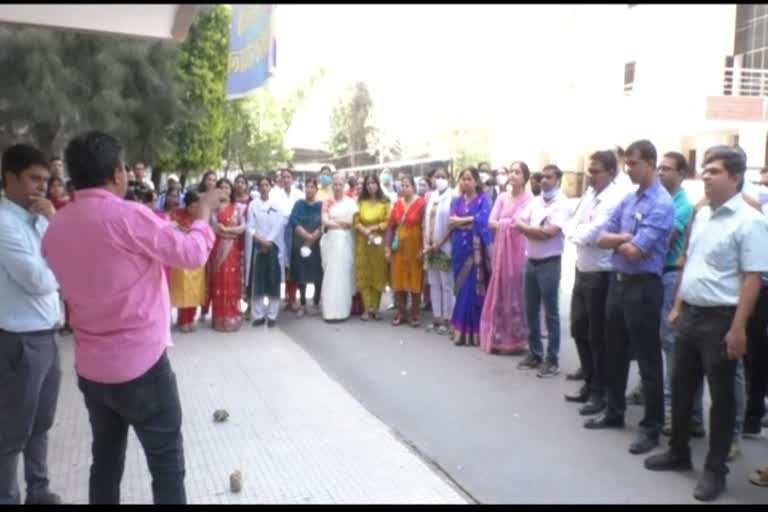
pixel 629 77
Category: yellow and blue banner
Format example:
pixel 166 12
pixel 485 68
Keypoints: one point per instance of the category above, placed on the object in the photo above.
pixel 252 53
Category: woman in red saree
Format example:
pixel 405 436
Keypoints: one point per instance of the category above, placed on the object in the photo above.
pixel 224 265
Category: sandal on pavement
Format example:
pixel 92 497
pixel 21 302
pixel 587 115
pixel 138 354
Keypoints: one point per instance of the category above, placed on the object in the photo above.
pixel 416 323
pixel 365 316
pixel 759 477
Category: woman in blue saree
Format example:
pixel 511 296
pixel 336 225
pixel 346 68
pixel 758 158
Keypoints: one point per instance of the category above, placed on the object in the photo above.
pixel 471 257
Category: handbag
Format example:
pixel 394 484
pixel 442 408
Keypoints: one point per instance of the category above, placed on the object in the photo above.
pixel 396 239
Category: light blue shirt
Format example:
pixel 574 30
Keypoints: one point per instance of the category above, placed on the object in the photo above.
pixel 29 299
pixel 723 245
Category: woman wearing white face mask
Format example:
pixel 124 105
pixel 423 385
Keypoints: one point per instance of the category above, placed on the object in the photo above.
pixel 437 252
pixel 387 186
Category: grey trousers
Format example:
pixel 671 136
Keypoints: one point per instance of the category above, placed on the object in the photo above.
pixel 30 376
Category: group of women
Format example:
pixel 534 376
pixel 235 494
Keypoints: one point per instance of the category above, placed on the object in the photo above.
pixel 468 250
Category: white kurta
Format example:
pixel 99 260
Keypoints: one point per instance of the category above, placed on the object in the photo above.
pixel 266 219
pixel 337 249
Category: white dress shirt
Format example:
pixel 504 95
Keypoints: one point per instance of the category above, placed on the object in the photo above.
pixel 585 226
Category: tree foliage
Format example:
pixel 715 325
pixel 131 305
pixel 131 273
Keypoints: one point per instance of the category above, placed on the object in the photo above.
pixel 351 127
pixel 197 139
pixel 58 83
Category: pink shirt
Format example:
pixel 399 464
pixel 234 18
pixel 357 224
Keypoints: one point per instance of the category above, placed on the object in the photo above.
pixel 540 213
pixel 108 256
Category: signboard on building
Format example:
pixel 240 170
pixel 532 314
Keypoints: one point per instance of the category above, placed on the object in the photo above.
pixel 736 108
pixel 252 54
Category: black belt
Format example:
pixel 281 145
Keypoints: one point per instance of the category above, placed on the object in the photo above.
pixel 44 332
pixel 544 260
pixel 710 309
pixel 671 268
pixel 634 278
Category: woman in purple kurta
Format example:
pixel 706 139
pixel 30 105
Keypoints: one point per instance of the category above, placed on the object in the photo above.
pixel 504 324
pixel 470 243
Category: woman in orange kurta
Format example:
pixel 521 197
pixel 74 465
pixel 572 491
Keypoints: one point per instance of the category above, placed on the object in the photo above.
pixel 404 250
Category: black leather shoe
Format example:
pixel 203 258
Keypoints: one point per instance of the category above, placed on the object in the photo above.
pixel 580 397
pixel 257 323
pixel 577 375
pixel 604 421
pixel 668 461
pixel 271 323
pixel 709 487
pixel 644 443
pixel 593 407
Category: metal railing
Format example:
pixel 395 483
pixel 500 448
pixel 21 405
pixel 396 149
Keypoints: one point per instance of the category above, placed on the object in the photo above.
pixel 745 82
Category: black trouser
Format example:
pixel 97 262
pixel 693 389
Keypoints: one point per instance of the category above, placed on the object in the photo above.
pixel 303 293
pixel 633 316
pixel 150 404
pixel 30 376
pixel 588 300
pixel 756 362
pixel 700 351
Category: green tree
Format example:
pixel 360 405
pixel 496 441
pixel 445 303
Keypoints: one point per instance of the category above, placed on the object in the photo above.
pixel 468 144
pixel 198 137
pixel 257 125
pixel 351 129
pixel 60 83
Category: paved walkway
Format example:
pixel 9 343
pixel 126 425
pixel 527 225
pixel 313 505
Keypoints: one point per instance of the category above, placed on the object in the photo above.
pixel 295 434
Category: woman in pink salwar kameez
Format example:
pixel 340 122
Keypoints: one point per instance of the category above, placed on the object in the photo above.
pixel 503 324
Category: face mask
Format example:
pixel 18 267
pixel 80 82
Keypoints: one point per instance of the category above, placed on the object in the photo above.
pixel 386 180
pixel 325 181
pixel 502 179
pixel 421 188
pixel 484 177
pixel 441 184
pixel 549 194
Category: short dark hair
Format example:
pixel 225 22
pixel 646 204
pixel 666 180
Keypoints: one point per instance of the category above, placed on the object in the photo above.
pixel 365 195
pixel 476 175
pixel 92 159
pixel 536 177
pixel 261 178
pixel 482 164
pixel 190 198
pixel 681 163
pixel 645 149
pixel 20 157
pixel 555 169
pixel 310 181
pixel 56 159
pixel 286 169
pixel 607 159
pixel 325 168
pixel 140 193
pixel 733 159
pixel 221 182
pixel 137 162
pixel 619 151
pixel 523 167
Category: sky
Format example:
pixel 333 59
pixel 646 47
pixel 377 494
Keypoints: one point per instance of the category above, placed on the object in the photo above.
pixel 513 67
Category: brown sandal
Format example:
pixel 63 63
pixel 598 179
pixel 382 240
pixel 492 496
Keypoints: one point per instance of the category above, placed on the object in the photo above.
pixel 759 477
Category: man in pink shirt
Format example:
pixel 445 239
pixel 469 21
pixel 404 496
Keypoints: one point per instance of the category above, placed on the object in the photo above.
pixel 108 256
pixel 542 223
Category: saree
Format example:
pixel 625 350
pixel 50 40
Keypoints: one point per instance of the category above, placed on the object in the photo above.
pixel 308 216
pixel 471 264
pixel 188 287
pixel 337 247
pixel 224 269
pixel 503 323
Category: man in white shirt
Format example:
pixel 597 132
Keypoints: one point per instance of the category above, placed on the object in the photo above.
pixel 30 370
pixel 542 223
pixel 593 271
pixel 286 195
pixel 622 178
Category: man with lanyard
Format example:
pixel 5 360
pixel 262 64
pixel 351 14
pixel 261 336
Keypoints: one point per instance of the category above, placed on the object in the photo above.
pixel 672 171
pixel 542 222
pixel 638 233
pixel 720 284
pixel 590 289
pixel 287 195
pixel 29 311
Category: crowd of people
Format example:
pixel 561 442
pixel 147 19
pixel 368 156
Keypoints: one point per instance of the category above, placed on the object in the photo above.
pixel 681 289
